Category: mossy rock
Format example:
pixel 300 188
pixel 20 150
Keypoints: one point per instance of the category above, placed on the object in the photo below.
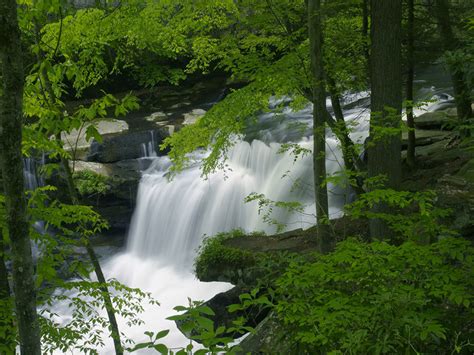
pixel 433 120
pixel 218 262
pixel 268 338
pixel 425 137
pixel 467 171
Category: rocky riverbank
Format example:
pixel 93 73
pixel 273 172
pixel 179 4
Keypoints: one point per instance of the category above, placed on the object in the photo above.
pixel 129 144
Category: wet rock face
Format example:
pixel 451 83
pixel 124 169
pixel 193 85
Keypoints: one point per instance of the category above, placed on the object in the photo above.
pixel 126 146
pixel 78 145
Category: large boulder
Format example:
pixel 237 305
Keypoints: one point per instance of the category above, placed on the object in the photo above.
pixel 132 145
pixel 433 120
pixel 76 142
pixel 118 141
pixel 425 137
pixel 116 204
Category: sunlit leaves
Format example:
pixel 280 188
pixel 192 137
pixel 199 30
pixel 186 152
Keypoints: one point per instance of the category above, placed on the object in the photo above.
pixel 377 298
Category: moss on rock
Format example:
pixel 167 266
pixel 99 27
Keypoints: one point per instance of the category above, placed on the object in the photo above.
pixel 218 262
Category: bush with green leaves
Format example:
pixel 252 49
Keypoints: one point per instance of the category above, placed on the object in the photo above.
pixel 410 215
pixel 381 299
pixel 89 183
pixel 215 257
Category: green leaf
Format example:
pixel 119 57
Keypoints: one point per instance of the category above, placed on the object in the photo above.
pixel 161 334
pixel 161 348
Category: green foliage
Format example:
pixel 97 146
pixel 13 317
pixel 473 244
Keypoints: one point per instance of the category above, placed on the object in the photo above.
pixel 266 208
pixel 8 336
pixel 214 256
pixel 195 322
pixel 89 183
pixel 380 299
pixel 268 47
pixel 85 331
pixel 59 269
pixel 411 215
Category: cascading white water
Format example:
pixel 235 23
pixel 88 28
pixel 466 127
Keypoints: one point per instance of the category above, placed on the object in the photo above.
pixel 148 149
pixel 33 179
pixel 172 217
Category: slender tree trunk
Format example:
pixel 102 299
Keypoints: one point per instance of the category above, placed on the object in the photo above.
pixel 462 94
pixel 12 171
pixel 319 124
pixel 51 100
pixel 384 158
pixel 7 337
pixel 365 28
pixel 409 84
pixel 339 128
pixel 109 307
pixel 114 330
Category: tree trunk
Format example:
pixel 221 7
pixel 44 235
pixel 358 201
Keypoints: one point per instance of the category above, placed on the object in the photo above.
pixel 7 337
pixel 114 330
pixel 365 28
pixel 462 94
pixel 349 152
pixel 384 158
pixel 319 124
pixel 409 84
pixel 12 172
pixel 109 307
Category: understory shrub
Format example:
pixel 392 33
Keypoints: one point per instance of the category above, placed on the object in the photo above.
pixel 381 299
pixel 216 259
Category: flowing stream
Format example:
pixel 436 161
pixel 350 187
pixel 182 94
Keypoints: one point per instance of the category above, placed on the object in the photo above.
pixel 172 217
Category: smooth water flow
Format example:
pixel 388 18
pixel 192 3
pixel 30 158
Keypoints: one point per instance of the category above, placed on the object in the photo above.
pixel 31 167
pixel 172 217
pixel 148 149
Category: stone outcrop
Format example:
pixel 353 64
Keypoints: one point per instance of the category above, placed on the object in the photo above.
pixel 434 120
pixel 77 144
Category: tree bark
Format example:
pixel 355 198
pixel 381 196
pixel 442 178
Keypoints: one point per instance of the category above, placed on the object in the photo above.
pixel 13 180
pixel 409 84
pixel 462 94
pixel 365 28
pixel 384 158
pixel 7 339
pixel 108 305
pixel 319 124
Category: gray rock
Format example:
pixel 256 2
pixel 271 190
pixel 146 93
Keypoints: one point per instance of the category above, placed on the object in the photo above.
pixel 125 146
pixel 433 120
pixel 180 105
pixel 425 137
pixel 77 144
pixel 193 116
pixel 157 117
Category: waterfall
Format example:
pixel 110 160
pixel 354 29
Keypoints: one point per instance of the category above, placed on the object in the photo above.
pixel 33 180
pixel 172 217
pixel 148 149
pixel 31 165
